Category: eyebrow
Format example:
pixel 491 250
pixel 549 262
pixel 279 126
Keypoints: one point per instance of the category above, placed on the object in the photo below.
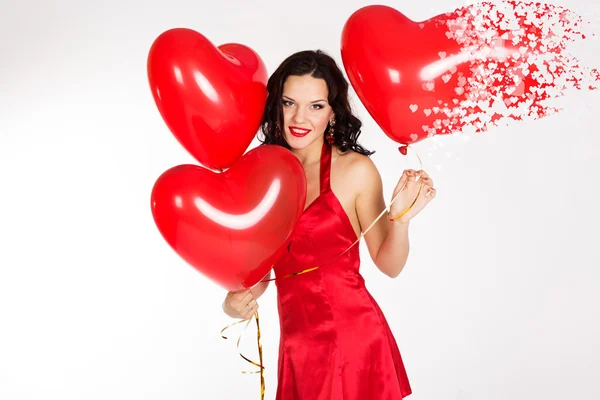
pixel 316 101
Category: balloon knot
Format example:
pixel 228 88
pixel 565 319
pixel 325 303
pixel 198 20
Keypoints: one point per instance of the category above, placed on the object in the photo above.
pixel 403 149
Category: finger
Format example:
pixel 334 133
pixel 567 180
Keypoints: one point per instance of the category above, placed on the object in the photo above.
pixel 247 315
pixel 427 181
pixel 417 175
pixel 412 175
pixel 246 309
pixel 401 182
pixel 423 174
pixel 431 192
pixel 251 304
pixel 250 312
pixel 420 189
pixel 245 299
pixel 239 296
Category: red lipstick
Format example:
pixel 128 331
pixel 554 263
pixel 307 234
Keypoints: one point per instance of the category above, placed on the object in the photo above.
pixel 299 132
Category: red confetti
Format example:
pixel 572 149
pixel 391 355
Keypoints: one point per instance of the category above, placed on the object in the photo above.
pixel 516 52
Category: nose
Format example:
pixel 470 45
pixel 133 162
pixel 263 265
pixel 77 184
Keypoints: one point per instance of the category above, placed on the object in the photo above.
pixel 299 116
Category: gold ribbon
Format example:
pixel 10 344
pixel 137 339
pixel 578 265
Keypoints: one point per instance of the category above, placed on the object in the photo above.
pixel 402 214
pixel 362 234
pixel 260 353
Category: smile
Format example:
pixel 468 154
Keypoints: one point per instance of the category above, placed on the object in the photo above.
pixel 299 132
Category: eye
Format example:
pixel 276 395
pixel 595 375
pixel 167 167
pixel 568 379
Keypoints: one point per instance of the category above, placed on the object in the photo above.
pixel 287 103
pixel 318 106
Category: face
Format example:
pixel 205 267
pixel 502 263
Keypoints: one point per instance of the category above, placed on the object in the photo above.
pixel 306 111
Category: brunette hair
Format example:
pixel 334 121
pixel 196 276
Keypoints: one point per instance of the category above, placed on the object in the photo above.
pixel 317 64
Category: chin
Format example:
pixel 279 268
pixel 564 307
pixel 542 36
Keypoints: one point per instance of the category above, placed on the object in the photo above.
pixel 298 144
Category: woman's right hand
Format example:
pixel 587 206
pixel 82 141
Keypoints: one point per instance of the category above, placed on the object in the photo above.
pixel 240 304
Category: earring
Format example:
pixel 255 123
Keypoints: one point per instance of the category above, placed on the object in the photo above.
pixel 277 131
pixel 330 138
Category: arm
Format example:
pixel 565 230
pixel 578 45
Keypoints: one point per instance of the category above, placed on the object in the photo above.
pixel 387 240
pixel 393 252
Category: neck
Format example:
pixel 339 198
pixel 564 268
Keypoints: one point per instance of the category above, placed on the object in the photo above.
pixel 310 154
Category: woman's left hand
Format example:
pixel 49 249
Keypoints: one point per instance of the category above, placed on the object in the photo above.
pixel 408 186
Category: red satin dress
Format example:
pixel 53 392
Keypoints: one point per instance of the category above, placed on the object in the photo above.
pixel 335 341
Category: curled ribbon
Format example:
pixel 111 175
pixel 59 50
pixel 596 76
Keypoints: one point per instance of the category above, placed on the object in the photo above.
pixel 260 353
pixel 304 271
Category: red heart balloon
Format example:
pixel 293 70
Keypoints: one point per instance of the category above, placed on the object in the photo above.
pixel 232 226
pixel 384 53
pixel 413 77
pixel 212 99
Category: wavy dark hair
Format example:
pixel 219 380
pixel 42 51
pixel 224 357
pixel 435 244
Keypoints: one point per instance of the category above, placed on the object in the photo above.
pixel 317 64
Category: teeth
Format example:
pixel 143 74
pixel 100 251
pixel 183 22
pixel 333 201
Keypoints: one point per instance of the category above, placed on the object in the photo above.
pixel 299 130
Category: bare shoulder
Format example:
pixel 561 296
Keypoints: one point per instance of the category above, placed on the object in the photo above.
pixel 356 170
pixel 354 180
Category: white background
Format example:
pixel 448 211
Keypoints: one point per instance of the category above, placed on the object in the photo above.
pixel 499 299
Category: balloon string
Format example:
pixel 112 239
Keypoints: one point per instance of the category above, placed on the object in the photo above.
pixel 363 234
pixel 260 352
pixel 304 271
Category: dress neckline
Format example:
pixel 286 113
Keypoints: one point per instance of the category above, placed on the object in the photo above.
pixel 324 173
pixel 325 186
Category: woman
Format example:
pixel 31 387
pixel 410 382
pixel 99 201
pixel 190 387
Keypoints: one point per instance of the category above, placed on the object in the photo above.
pixel 335 342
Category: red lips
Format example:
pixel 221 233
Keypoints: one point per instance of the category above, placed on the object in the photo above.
pixel 299 132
